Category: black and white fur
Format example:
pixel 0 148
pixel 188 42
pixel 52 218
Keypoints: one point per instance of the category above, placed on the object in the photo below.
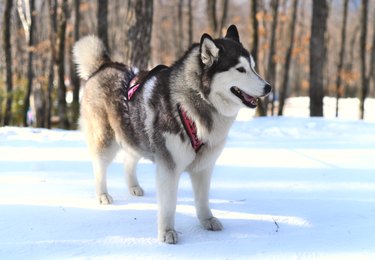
pixel 211 82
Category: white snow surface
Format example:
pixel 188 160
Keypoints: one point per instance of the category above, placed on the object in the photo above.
pixel 284 188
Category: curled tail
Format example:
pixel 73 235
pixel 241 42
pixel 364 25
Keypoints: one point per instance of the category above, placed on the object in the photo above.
pixel 89 54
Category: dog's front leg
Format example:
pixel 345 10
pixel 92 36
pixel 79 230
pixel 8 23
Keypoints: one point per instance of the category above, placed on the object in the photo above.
pixel 167 185
pixel 201 185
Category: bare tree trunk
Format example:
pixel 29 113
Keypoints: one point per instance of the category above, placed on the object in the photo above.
pixel 39 106
pixel 139 28
pixel 288 57
pixel 73 74
pixel 362 53
pixel 216 25
pixel 180 30
pixel 211 16
pixel 103 21
pixel 8 61
pixel 352 43
pixel 349 64
pixel 61 93
pixel 254 41
pixel 190 22
pixel 327 38
pixel 224 17
pixel 317 54
pixel 271 67
pixel 28 22
pixel 341 56
pixel 52 6
pixel 271 73
pixel 254 30
pixel 372 60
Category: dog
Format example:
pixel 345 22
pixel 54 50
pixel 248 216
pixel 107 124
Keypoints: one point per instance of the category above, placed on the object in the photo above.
pixel 178 117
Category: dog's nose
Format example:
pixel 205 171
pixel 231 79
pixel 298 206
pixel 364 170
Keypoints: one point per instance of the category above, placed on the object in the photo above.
pixel 267 89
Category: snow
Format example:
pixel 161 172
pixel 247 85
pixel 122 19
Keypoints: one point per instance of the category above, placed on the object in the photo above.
pixel 299 107
pixel 284 188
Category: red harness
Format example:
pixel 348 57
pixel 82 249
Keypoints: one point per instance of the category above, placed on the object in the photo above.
pixel 133 87
pixel 191 129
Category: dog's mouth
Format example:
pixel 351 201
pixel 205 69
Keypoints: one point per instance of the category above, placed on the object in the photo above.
pixel 246 99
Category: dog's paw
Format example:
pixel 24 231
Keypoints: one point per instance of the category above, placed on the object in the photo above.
pixel 136 191
pixel 212 224
pixel 169 237
pixel 105 199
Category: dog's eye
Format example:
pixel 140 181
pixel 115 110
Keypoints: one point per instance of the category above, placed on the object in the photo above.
pixel 241 69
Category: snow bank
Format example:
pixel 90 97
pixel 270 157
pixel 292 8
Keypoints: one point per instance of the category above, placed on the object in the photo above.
pixel 284 188
pixel 299 107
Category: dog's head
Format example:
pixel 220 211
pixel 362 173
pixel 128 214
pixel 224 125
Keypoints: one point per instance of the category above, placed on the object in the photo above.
pixel 229 77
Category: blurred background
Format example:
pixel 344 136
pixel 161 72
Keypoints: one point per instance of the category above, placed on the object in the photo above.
pixel 318 55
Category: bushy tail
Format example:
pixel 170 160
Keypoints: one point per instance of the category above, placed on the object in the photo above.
pixel 89 54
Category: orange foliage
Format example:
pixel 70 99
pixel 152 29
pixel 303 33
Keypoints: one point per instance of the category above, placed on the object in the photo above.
pixel 236 19
pixel 84 7
pixel 262 31
pixel 283 18
pixel 305 85
pixel 262 15
pixel 279 58
pixel 42 47
pixel 350 76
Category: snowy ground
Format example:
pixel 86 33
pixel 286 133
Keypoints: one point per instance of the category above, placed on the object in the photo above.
pixel 284 188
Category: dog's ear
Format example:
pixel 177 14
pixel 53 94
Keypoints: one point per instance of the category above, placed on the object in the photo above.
pixel 208 50
pixel 232 33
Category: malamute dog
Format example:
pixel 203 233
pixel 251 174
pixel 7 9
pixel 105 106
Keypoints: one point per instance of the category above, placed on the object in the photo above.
pixel 177 116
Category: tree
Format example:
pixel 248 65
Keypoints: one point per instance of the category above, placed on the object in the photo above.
pixel 211 15
pixel 288 57
pixel 341 55
pixel 180 29
pixel 138 27
pixel 362 54
pixel 8 61
pixel 190 22
pixel 40 65
pixel 52 6
pixel 184 36
pixel 271 63
pixel 271 67
pixel 103 21
pixel 317 54
pixel 254 44
pixel 28 22
pixel 61 93
pixel 216 24
pixel 254 30
pixel 372 59
pixel 73 73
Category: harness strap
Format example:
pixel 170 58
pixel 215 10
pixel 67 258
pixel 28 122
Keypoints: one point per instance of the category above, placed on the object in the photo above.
pixel 138 79
pixel 133 87
pixel 190 128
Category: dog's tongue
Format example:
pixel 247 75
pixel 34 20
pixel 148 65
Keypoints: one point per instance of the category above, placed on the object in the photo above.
pixel 250 99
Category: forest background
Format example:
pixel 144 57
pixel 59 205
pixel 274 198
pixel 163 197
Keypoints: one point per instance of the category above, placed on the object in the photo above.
pixel 303 48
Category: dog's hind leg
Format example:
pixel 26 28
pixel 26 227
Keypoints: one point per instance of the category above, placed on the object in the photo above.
pixel 201 185
pixel 131 160
pixel 101 159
